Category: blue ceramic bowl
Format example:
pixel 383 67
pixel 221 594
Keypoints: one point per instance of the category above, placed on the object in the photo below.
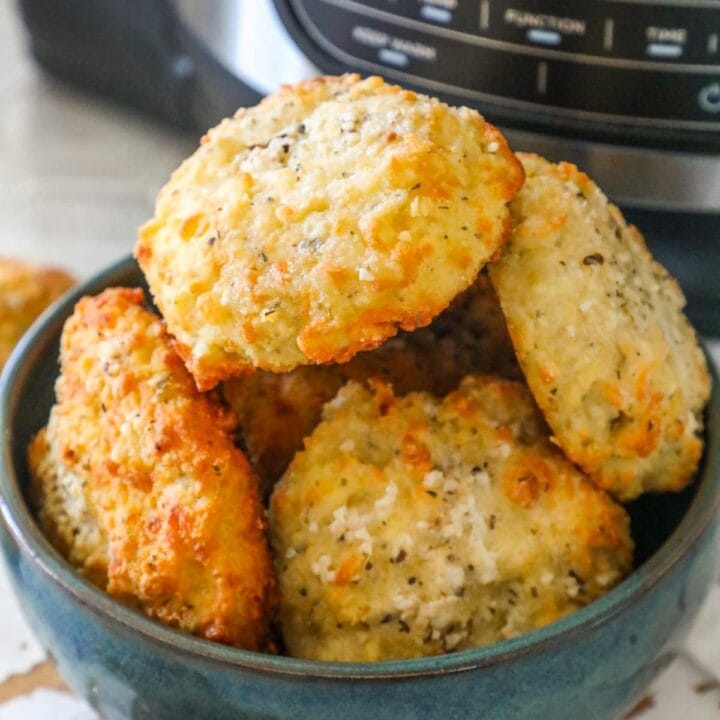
pixel 593 664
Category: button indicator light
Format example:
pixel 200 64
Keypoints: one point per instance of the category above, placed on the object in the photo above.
pixel 436 14
pixel 544 37
pixel 393 57
pixel 663 50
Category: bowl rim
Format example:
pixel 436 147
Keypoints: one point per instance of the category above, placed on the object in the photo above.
pixel 22 528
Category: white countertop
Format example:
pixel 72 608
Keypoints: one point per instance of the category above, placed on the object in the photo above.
pixel 77 177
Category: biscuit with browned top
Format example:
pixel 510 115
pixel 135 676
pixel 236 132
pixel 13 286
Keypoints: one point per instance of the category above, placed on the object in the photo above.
pixel 140 484
pixel 321 222
pixel 415 526
pixel 599 330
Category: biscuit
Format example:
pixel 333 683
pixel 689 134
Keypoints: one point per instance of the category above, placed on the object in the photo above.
pixel 599 330
pixel 25 291
pixel 415 526
pixel 320 222
pixel 139 482
pixel 277 411
pixel 59 499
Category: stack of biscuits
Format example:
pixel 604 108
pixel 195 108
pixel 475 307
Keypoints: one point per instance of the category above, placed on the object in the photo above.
pixel 400 384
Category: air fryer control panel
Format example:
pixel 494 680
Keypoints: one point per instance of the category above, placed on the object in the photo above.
pixel 605 62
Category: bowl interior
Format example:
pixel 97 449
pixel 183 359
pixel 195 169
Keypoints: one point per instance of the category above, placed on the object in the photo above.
pixel 28 386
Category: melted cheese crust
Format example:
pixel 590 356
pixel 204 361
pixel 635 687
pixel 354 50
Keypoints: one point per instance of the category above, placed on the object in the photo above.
pixel 415 526
pixel 600 333
pixel 320 222
pixel 166 508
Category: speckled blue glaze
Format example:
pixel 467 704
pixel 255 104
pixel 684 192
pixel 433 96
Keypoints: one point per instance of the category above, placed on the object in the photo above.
pixel 592 665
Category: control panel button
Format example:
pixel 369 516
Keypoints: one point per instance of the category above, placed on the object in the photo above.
pixel 663 51
pixel 434 13
pixel 709 98
pixel 551 38
pixel 393 57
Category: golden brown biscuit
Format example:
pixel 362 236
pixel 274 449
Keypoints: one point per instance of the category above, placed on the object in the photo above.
pixel 25 291
pixel 61 505
pixel 320 222
pixel 277 411
pixel 600 334
pixel 415 526
pixel 140 482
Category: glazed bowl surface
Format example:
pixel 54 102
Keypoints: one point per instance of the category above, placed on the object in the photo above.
pixel 593 664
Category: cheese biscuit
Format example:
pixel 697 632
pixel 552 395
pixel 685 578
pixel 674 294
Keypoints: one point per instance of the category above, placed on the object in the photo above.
pixel 415 526
pixel 599 330
pixel 320 222
pixel 139 482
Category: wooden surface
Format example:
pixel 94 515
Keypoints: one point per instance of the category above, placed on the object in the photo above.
pixel 43 675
